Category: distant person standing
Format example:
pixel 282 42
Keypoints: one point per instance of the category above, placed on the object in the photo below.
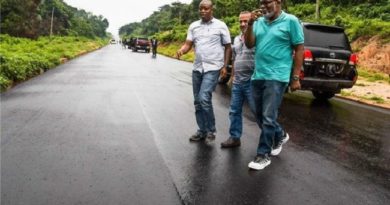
pixel 211 39
pixel 124 43
pixel 153 42
pixel 242 70
pixel 278 37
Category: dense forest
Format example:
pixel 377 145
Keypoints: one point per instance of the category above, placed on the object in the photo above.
pixel 33 18
pixel 359 17
pixel 37 35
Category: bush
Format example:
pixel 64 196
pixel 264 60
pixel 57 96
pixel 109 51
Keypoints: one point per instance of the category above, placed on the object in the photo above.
pixel 303 10
pixel 22 58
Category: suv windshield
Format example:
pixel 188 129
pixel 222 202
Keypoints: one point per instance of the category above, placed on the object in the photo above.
pixel 326 37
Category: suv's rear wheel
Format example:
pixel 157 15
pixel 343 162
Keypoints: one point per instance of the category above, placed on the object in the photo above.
pixel 322 95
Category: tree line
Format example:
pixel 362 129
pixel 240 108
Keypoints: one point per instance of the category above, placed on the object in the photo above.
pixel 35 18
pixel 173 19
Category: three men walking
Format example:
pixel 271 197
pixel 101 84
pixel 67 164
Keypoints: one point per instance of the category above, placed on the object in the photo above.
pixel 263 58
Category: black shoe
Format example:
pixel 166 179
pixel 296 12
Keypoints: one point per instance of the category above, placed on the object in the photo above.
pixel 198 136
pixel 260 162
pixel 231 142
pixel 210 137
pixel 277 148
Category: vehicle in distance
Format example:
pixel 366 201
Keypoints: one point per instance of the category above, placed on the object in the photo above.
pixel 112 41
pixel 329 64
pixel 141 44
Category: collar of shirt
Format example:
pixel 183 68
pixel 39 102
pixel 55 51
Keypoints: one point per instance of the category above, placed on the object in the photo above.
pixel 242 37
pixel 208 22
pixel 280 17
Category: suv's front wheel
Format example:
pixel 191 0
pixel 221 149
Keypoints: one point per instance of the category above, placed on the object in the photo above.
pixel 322 95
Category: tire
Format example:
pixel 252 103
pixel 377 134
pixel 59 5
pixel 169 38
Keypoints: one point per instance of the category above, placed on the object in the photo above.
pixel 322 95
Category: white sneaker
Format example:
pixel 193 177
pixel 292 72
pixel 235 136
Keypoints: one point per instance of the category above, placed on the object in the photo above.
pixel 278 148
pixel 260 162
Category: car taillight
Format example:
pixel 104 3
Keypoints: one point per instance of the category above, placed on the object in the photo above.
pixel 353 59
pixel 307 55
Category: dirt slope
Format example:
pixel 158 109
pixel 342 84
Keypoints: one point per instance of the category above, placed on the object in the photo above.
pixel 373 54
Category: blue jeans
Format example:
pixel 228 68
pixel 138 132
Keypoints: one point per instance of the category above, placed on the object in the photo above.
pixel 240 93
pixel 268 95
pixel 203 85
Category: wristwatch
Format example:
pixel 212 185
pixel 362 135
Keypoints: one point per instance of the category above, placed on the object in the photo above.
pixel 295 77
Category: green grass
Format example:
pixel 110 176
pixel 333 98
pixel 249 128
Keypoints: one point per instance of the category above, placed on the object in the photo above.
pixel 171 48
pixel 372 98
pixel 23 58
pixel 345 93
pixel 372 76
pixel 376 99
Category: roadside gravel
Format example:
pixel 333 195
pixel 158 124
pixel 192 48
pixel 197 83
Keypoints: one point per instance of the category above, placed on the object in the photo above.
pixel 373 93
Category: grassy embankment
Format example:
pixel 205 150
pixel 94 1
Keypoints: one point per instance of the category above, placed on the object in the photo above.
pixel 22 58
pixel 362 20
pixel 169 49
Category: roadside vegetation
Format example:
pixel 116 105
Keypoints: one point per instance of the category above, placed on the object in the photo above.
pixel 22 58
pixel 37 35
pixel 374 76
pixel 363 21
pixel 360 18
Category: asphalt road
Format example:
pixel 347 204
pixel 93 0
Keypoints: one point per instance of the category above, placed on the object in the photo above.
pixel 112 127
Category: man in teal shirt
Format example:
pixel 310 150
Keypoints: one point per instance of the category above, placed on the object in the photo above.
pixel 278 38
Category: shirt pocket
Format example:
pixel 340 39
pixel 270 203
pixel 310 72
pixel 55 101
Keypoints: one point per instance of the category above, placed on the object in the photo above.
pixel 215 35
pixel 283 33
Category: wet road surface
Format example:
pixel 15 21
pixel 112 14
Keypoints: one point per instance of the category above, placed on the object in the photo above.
pixel 112 127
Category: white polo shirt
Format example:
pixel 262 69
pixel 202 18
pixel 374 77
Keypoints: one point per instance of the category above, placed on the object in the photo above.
pixel 209 40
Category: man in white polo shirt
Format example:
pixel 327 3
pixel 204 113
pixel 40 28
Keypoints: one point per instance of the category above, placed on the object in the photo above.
pixel 211 40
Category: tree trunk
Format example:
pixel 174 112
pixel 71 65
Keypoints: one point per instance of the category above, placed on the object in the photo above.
pixel 285 5
pixel 318 10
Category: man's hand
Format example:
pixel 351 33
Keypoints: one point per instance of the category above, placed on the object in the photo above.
pixel 223 72
pixel 179 53
pixel 295 85
pixel 255 14
pixel 184 49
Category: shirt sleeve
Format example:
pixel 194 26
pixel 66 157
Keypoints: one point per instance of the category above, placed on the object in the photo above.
pixel 296 34
pixel 190 35
pixel 254 27
pixel 225 35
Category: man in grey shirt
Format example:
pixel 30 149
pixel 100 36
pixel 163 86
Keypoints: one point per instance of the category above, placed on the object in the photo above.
pixel 243 67
pixel 211 39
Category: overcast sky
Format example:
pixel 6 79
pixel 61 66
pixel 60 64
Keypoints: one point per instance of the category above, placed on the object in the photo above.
pixel 121 12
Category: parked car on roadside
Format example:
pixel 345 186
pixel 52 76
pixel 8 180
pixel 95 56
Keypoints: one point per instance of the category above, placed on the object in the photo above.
pixel 329 64
pixel 112 41
pixel 141 44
